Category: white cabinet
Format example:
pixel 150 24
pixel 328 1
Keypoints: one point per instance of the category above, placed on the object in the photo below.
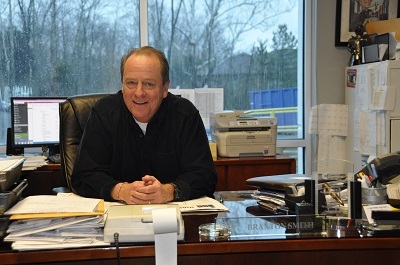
pixel 373 99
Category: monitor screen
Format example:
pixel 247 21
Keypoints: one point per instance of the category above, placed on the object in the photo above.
pixel 35 121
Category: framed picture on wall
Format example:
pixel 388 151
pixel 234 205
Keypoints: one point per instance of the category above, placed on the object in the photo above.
pixel 351 13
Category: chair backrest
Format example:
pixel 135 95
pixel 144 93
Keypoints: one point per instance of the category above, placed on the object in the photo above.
pixel 74 113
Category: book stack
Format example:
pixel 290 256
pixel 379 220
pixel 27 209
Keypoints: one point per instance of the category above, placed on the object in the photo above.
pixel 55 222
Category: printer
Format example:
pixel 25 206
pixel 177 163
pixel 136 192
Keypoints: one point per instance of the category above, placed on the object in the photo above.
pixel 240 135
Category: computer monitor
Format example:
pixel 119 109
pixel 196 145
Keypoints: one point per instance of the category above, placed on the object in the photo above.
pixel 35 123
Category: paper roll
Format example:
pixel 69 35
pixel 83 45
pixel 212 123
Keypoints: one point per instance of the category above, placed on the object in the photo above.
pixel 165 227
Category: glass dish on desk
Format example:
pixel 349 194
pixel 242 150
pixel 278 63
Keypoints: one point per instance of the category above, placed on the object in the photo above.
pixel 214 232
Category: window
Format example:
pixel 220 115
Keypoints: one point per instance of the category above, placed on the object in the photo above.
pixel 62 48
pixel 253 49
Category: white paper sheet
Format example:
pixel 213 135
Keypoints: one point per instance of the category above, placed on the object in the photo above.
pixel 185 93
pixel 54 224
pixel 30 245
pixel 368 132
pixel 7 164
pixel 384 98
pixel 53 204
pixel 204 204
pixel 165 227
pixel 209 100
pixel 380 207
pixel 329 119
pixel 331 149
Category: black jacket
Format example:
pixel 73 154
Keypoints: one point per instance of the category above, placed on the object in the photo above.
pixel 114 149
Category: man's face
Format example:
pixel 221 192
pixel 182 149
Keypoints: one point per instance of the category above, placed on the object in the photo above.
pixel 143 87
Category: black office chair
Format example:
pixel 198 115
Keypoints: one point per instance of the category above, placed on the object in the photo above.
pixel 74 113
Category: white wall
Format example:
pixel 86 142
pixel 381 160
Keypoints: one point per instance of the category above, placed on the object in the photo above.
pixel 328 67
pixel 330 60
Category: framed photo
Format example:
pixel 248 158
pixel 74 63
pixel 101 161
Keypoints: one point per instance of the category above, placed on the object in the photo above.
pixel 351 77
pixel 351 13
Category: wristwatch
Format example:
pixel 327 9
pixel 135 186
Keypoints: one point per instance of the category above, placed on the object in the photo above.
pixel 177 192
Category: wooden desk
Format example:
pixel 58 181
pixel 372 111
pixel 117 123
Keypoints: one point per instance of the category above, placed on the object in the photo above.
pixel 327 251
pixel 43 180
pixel 232 173
pixel 277 252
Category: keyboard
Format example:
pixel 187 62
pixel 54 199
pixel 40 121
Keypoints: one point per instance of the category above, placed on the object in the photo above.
pixel 55 159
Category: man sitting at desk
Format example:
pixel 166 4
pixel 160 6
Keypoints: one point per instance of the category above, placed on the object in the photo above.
pixel 144 145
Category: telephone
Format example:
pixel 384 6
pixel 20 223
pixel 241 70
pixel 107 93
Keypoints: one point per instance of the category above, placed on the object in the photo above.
pixel 134 223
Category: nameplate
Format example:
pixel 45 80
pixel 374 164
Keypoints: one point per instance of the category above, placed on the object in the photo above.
pixel 270 227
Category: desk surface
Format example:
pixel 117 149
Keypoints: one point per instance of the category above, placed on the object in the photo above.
pixel 282 251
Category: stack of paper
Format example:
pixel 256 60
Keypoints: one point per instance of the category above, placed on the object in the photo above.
pixel 204 204
pixel 7 164
pixel 10 172
pixel 55 233
pixel 33 162
pixel 54 222
pixel 67 220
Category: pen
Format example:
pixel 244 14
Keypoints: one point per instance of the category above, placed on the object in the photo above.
pixel 333 194
pixel 363 182
pixel 367 178
pixel 374 173
pixel 369 168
